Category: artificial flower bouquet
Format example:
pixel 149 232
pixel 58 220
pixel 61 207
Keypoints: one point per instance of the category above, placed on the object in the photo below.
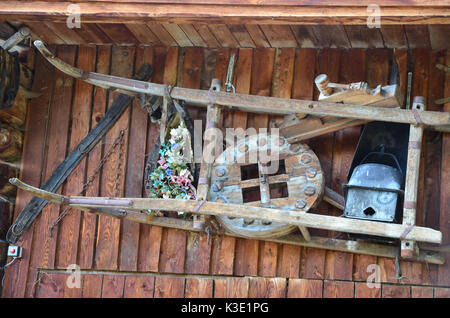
pixel 172 178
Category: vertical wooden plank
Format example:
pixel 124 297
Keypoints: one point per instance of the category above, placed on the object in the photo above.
pixel 139 286
pixel 237 287
pixel 328 62
pixel 51 285
pixel 377 65
pixel 421 292
pixel 442 293
pixel 150 236
pixel 69 229
pixel 92 286
pixel 113 286
pixel 198 250
pixel 305 288
pixel 222 257
pixel 220 288
pixel 363 291
pixel 134 171
pixel 395 291
pixel 433 155
pixel 108 235
pixel 246 257
pixel 73 291
pixel 338 264
pixel 30 170
pixel 262 74
pixel 89 220
pixel 198 288
pixel 169 287
pixel 412 271
pixel 444 271
pixel 338 289
pixel 44 247
pixel 260 287
pixel 173 242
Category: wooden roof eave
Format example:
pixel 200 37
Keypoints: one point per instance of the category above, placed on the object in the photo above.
pixel 205 12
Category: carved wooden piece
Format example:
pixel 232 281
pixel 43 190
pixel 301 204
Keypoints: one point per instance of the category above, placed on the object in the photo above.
pixel 296 130
pixel 408 247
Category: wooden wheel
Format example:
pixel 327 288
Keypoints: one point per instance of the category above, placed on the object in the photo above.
pixel 297 184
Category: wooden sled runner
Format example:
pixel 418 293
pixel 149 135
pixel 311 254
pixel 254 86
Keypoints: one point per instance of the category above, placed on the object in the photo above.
pixel 221 192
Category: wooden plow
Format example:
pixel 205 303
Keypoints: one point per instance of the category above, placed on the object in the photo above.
pixel 220 193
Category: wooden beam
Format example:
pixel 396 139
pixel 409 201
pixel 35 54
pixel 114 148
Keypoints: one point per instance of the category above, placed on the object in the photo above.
pixel 129 207
pixel 408 248
pixel 252 103
pixel 96 12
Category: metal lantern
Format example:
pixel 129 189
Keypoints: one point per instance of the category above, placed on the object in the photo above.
pixel 373 192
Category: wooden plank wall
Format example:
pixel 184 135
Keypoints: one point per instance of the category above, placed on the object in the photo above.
pixel 67 109
pixel 53 285
pixel 240 35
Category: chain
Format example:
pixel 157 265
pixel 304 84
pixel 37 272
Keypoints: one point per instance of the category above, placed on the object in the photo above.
pixel 118 141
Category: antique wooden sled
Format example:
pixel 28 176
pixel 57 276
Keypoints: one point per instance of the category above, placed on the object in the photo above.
pixel 221 186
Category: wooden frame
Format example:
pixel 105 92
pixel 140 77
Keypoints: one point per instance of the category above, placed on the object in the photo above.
pixel 127 208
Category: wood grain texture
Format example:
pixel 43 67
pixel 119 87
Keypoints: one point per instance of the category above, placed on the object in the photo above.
pixel 223 250
pixel 89 220
pixel 113 286
pixel 339 265
pixel 51 285
pixel 92 286
pixel 237 287
pixel 363 291
pixel 338 289
pixel 260 287
pixel 305 288
pixel 442 293
pixel 169 287
pixel 108 234
pixel 199 288
pixel 139 286
pixel 129 241
pixel 69 229
pixel 32 160
pixel 395 291
pixel 44 246
pixel 444 271
pixel 151 236
pixel 328 62
pixel 421 292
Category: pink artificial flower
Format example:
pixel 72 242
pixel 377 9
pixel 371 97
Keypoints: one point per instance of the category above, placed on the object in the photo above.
pixel 162 161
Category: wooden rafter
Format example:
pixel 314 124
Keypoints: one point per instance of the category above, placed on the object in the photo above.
pixel 393 12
